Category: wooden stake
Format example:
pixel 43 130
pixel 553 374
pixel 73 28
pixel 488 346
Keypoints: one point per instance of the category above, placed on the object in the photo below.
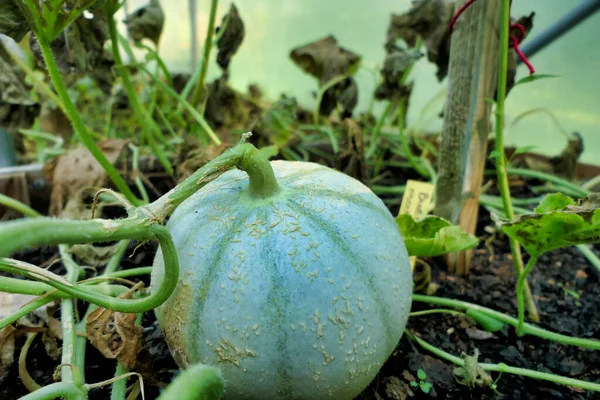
pixel 472 78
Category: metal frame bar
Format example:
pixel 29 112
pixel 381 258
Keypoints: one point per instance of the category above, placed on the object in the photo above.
pixel 570 20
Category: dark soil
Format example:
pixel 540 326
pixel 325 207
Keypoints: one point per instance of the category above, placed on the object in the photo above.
pixel 566 290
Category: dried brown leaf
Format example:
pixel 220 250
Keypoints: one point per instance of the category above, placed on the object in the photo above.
pixel 194 154
pixel 429 19
pixel 394 67
pixel 94 256
pixel 325 60
pixel 80 49
pixel 565 164
pixel 396 389
pixel 51 345
pixel 223 106
pixel 11 302
pixel 7 350
pixel 77 169
pixel 115 334
pixel 471 374
pixel 477 334
pixel 351 157
pixel 231 39
pixel 13 89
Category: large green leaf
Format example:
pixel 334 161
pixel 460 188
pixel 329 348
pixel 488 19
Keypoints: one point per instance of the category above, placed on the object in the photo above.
pixel 557 222
pixel 433 236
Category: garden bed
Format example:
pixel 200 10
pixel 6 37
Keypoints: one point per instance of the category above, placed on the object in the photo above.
pixel 146 150
pixel 565 286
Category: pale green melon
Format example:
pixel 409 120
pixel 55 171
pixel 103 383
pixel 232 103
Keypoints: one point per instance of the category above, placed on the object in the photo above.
pixel 302 295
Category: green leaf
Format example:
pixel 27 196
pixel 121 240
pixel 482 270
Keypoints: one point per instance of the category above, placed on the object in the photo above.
pixel 433 236
pixel 495 154
pixel 425 387
pixel 534 77
pixel 486 322
pixel 556 223
pixel 524 149
pixel 554 202
pixel 421 374
pixel 270 151
pixel 414 384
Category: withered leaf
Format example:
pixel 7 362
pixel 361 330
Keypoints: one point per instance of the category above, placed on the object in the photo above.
pixel 565 164
pixel 146 22
pixel 80 48
pixel 429 19
pixel 11 302
pixel 77 169
pixel 345 94
pixel 195 154
pixel 13 89
pixel 115 334
pixel 12 21
pixel 396 389
pixel 51 345
pixel 325 60
pixel 231 38
pixel 222 105
pixel 351 158
pixel 394 67
pixel 17 109
pixel 7 350
pixel 94 256
pixel 471 374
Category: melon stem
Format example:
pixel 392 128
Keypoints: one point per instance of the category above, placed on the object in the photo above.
pixel 263 183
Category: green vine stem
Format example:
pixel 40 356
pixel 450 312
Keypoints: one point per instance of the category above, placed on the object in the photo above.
pixel 146 122
pixel 13 285
pixel 67 321
pixel 135 168
pixel 543 176
pixel 199 381
pixel 527 328
pixel 143 223
pixel 521 294
pixel 503 368
pixel 197 96
pixel 437 311
pixel 40 302
pixel 49 231
pixel 67 391
pixel 501 160
pixel 119 387
pixel 153 54
pixel 75 118
pixel 165 205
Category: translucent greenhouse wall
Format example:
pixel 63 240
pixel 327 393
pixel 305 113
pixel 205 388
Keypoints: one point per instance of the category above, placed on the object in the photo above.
pixel 274 27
